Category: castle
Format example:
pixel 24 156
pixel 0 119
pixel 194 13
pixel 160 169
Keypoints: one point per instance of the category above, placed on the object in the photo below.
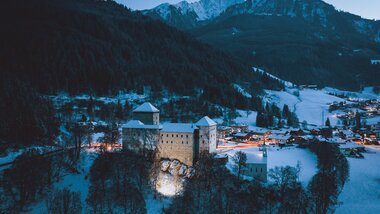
pixel 181 141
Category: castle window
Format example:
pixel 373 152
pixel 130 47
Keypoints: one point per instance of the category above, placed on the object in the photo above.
pixel 167 141
pixel 187 136
pixel 261 169
pixel 176 135
pixel 167 135
pixel 171 141
pixel 187 142
pixel 162 135
pixel 182 142
pixel 256 169
pixel 181 136
pixel 172 135
pixel 203 141
pixel 251 169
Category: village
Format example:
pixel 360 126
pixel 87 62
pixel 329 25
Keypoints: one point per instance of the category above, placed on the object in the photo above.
pixel 184 142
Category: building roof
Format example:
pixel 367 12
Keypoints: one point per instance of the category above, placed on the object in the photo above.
pixel 137 124
pixel 351 146
pixel 241 134
pixel 178 127
pixel 206 121
pixel 146 107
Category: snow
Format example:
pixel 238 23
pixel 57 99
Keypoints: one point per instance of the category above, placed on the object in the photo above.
pixel 291 156
pixel 154 206
pixel 178 127
pixel 137 124
pixel 11 156
pixel 366 93
pixel 146 107
pixel 75 182
pixel 309 105
pixel 362 191
pixel 206 121
pixel 375 61
pixel 204 9
pixel 288 156
pixel 286 83
pixel 242 91
pixel 244 118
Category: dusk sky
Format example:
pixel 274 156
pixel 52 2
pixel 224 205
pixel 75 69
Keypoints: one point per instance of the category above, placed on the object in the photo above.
pixel 366 8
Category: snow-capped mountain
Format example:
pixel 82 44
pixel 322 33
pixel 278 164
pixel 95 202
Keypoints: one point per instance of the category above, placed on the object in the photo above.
pixel 186 15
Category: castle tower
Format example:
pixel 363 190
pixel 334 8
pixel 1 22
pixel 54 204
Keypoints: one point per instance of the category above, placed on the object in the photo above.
pixel 207 134
pixel 147 113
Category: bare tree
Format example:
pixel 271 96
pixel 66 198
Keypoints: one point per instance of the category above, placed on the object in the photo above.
pixel 64 202
pixel 240 159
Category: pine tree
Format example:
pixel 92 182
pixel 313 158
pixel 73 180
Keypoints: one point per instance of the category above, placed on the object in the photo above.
pixel 119 111
pixel 327 123
pixel 285 111
pixel 358 120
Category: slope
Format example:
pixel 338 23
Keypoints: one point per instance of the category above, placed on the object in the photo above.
pixel 102 47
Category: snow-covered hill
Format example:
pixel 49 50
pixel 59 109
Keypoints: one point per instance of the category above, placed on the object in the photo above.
pixel 310 105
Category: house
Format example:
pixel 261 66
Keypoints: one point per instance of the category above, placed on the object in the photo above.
pixel 179 141
pixel 278 138
pixel 351 149
pixel 239 128
pixel 242 136
pixel 256 165
pixel 223 131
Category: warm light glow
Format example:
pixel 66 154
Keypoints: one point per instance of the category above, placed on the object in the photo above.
pixel 167 185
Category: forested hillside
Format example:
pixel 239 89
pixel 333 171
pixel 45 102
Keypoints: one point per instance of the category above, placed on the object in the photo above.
pixel 295 50
pixel 101 47
pixel 302 41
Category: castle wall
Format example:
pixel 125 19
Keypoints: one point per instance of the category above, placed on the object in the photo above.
pixel 177 145
pixel 207 139
pixel 148 118
pixel 136 139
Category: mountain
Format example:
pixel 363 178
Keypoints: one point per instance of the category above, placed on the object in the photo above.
pixel 185 15
pixel 101 47
pixel 303 41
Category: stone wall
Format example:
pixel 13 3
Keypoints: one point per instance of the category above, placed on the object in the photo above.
pixel 256 170
pixel 177 145
pixel 137 139
pixel 207 139
pixel 147 118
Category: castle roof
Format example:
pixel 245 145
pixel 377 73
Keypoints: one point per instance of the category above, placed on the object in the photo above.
pixel 178 127
pixel 206 121
pixel 146 107
pixel 137 124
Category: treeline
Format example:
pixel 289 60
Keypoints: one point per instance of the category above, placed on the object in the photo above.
pixel 215 190
pixel 102 47
pixel 117 182
pixel 273 116
pixel 26 117
pixel 333 172
pixel 30 179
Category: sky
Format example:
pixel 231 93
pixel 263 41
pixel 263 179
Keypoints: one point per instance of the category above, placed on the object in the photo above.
pixel 366 8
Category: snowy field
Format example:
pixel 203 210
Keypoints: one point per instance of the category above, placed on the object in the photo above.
pixel 75 182
pixel 361 194
pixel 246 117
pixel 309 106
pixel 289 156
